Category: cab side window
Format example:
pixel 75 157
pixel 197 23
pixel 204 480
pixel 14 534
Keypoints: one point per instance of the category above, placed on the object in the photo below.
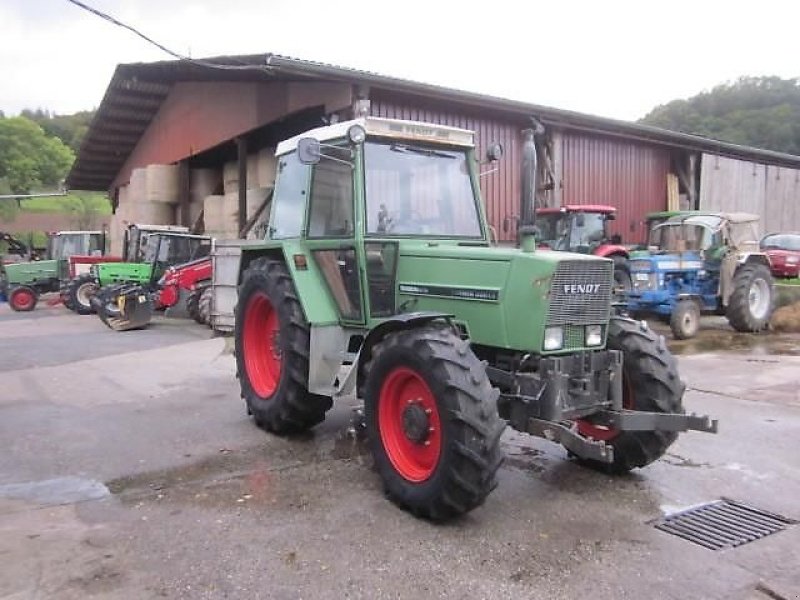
pixel 289 205
pixel 331 213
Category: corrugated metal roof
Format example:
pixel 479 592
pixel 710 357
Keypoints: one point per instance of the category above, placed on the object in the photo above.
pixel 137 90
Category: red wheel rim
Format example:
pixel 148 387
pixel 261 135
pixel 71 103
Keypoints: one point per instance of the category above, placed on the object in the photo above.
pixel 261 341
pixel 405 397
pixel 601 432
pixel 22 299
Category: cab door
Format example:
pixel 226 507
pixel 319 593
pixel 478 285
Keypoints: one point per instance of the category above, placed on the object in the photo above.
pixel 330 233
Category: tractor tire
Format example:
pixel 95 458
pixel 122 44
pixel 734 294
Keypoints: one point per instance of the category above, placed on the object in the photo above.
pixel 193 301
pixel 272 350
pixel 685 320
pixel 432 422
pixel 204 306
pixel 622 275
pixel 63 294
pixel 650 382
pixel 80 293
pixel 752 300
pixel 23 298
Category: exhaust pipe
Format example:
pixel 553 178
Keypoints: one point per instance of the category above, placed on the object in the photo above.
pixel 527 239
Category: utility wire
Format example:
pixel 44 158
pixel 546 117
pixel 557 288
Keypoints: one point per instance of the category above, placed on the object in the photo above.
pixel 202 63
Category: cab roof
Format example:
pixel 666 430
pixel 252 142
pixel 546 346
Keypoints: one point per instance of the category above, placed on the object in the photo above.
pixel 586 208
pixel 413 131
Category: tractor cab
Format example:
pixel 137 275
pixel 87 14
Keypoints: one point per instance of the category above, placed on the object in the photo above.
pixel 576 228
pixel 63 244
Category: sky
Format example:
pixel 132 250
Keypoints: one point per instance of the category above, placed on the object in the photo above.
pixel 611 58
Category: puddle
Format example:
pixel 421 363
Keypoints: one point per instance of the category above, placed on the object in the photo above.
pixel 757 344
pixel 53 492
pixel 250 476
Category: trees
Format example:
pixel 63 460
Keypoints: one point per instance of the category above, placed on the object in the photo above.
pixel 70 129
pixel 754 111
pixel 29 158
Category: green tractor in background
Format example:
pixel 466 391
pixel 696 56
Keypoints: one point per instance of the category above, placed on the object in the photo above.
pixel 22 283
pixel 84 281
pixel 123 298
pixel 378 281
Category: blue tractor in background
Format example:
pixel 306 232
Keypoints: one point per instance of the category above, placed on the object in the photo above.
pixel 703 263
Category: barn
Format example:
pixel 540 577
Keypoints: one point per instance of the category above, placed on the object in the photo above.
pixel 192 142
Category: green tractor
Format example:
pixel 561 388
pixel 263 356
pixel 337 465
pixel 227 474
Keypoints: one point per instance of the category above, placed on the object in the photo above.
pixel 22 283
pixel 377 280
pixel 124 296
pixel 84 281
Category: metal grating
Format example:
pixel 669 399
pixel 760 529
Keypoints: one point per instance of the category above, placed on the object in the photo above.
pixel 723 524
pixel 580 293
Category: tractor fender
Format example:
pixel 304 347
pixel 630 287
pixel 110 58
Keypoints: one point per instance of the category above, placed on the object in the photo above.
pixel 747 258
pixel 611 250
pixel 395 323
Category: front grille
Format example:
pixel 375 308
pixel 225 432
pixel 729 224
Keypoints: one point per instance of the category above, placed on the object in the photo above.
pixel 580 293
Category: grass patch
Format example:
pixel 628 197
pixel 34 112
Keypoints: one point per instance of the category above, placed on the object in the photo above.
pixel 96 202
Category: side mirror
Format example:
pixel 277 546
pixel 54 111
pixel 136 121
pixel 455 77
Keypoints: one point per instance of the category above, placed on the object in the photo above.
pixel 494 152
pixel 308 151
pixel 580 219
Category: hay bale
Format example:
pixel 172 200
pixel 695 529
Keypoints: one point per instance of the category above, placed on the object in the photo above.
pixel 154 183
pixel 204 182
pixel 261 169
pixel 786 318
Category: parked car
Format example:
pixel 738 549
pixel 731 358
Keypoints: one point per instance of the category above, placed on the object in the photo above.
pixel 783 250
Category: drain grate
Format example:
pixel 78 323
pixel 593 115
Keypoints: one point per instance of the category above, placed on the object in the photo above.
pixel 723 524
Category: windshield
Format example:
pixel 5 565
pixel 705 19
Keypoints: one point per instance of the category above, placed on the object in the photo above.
pixel 681 237
pixel 782 241
pixel 418 190
pixel 69 244
pixel 578 232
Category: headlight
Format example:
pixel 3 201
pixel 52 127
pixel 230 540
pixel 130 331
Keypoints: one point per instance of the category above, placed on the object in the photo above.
pixel 792 260
pixel 356 134
pixel 553 338
pixel 594 335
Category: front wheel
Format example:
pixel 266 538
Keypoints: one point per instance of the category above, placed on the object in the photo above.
pixel 81 291
pixel 432 421
pixel 204 305
pixel 272 350
pixel 650 382
pixel 752 299
pixel 23 298
pixel 685 319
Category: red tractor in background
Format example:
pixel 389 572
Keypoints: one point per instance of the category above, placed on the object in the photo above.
pixel 584 229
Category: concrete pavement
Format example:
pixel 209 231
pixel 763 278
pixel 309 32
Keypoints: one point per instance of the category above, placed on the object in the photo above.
pixel 130 470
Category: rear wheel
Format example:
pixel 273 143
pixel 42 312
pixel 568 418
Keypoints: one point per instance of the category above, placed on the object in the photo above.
pixel 432 420
pixel 752 300
pixel 81 291
pixel 272 350
pixel 650 382
pixel 685 319
pixel 23 298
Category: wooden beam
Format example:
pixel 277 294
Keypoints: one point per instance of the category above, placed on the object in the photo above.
pixel 241 150
pixel 183 193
